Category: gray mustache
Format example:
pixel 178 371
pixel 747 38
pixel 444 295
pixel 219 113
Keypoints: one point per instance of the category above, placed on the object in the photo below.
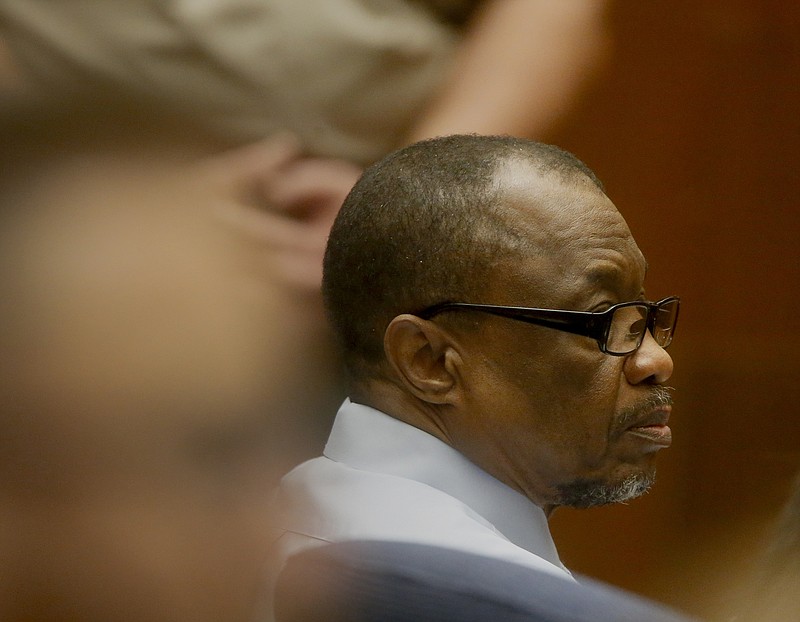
pixel 659 396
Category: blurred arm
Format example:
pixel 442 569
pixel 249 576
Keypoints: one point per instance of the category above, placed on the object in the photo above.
pixel 521 64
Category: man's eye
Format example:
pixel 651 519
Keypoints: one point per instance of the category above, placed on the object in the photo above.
pixel 636 329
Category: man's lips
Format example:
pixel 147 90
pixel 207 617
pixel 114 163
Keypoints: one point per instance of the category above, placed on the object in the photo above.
pixel 654 428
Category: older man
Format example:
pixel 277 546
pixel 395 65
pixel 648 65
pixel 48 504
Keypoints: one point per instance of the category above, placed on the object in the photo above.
pixel 504 359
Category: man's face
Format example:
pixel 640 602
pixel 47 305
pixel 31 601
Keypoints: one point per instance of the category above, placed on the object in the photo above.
pixel 546 411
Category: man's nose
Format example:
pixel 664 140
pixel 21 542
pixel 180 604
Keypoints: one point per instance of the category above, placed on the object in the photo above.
pixel 649 364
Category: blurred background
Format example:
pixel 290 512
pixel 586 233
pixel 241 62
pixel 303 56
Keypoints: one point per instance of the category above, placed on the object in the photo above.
pixel 689 111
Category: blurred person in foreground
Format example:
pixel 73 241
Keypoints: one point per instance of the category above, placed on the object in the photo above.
pixel 351 79
pixel 504 358
pixel 305 93
pixel 348 81
pixel 145 354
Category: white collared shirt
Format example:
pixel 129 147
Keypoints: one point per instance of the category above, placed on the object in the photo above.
pixel 382 479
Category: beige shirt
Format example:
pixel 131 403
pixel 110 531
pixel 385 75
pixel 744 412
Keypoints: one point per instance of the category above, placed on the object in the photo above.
pixel 349 77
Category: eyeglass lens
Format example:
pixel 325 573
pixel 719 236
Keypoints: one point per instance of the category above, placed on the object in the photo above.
pixel 629 323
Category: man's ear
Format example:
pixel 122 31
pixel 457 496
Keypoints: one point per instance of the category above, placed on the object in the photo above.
pixel 424 358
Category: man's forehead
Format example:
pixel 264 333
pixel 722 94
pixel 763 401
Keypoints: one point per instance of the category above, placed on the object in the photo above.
pixel 553 210
pixel 575 235
pixel 603 273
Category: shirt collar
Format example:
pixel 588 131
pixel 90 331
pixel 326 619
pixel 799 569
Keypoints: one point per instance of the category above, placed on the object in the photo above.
pixel 367 439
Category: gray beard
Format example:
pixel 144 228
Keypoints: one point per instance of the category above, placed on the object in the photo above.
pixel 585 493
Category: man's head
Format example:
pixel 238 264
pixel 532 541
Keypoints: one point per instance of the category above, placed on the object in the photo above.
pixel 142 367
pixel 501 221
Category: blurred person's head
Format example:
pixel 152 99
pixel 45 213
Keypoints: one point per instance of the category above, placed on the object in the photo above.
pixel 564 418
pixel 142 364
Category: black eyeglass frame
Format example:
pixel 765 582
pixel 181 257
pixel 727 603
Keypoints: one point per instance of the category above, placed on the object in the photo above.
pixel 596 325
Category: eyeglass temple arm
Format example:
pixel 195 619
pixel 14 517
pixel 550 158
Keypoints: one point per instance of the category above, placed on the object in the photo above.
pixel 581 323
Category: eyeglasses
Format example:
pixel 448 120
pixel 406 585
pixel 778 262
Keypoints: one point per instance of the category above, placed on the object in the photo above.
pixel 619 330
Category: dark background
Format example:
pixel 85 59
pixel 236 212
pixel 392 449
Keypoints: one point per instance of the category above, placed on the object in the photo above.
pixel 695 130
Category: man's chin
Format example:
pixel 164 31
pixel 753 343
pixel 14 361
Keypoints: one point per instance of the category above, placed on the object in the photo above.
pixel 589 493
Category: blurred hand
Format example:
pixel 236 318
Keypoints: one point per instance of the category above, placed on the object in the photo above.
pixel 283 200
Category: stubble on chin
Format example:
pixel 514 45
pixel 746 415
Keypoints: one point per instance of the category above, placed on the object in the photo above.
pixel 589 493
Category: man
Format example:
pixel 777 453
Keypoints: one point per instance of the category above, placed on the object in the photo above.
pixel 490 302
